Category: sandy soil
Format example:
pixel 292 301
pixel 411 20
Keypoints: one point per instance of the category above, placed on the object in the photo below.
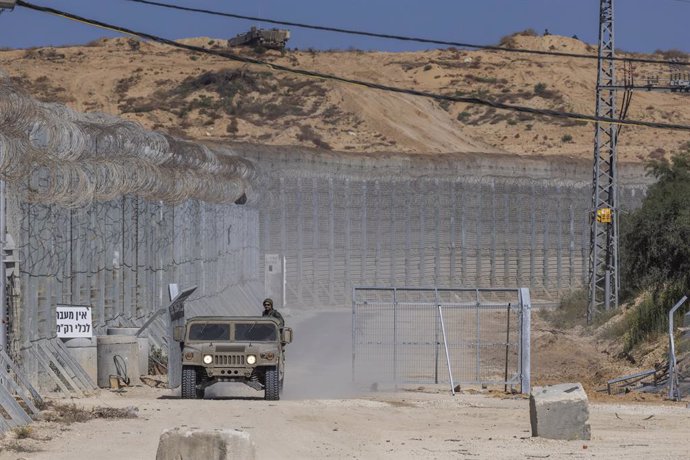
pixel 207 97
pixel 404 425
pixel 321 415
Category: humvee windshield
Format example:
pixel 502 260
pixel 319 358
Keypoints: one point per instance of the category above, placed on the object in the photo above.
pixel 209 331
pixel 244 332
pixel 248 332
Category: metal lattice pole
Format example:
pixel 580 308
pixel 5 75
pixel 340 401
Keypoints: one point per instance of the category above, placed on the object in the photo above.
pixel 603 253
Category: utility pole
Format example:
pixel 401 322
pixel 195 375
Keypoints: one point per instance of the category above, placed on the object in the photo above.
pixel 604 277
pixel 604 274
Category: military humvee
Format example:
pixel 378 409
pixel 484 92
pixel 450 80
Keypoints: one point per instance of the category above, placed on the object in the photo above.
pixel 247 349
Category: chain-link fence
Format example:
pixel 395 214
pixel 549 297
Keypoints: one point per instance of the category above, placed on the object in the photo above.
pixel 120 256
pixel 446 222
pixel 468 336
pixel 103 213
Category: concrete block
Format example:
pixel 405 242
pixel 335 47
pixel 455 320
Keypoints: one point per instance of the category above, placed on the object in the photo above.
pixel 196 444
pixel 560 412
pixel 83 350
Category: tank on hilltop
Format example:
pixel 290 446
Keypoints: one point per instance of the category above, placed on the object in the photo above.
pixel 267 38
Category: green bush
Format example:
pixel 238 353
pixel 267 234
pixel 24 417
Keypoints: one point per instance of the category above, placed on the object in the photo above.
pixel 655 248
pixel 655 241
pixel 566 138
pixel 539 88
pixel 464 116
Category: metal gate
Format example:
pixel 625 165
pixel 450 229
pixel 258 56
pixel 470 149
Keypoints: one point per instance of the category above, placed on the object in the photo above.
pixel 434 335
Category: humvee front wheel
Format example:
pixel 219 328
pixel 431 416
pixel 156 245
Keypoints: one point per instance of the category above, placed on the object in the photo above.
pixel 189 382
pixel 272 386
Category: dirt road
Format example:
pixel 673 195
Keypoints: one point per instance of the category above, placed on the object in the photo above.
pixel 322 416
pixel 401 425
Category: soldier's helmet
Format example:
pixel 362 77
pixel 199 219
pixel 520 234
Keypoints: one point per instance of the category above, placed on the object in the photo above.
pixel 268 303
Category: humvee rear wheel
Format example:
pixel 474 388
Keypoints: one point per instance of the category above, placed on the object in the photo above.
pixel 272 386
pixel 189 382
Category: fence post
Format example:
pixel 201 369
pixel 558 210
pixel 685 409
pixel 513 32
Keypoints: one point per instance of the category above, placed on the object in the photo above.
pixel 478 337
pixel 525 334
pixel 354 319
pixel 673 391
pixel 395 337
pixel 436 342
pixel 505 388
pixel 445 343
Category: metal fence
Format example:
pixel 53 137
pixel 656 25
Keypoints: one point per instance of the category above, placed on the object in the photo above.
pixel 83 209
pixel 470 336
pixel 341 223
pixel 104 213
pixel 119 258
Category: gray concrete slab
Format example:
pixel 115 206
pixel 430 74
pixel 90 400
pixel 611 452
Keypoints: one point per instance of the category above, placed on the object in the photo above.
pixel 560 412
pixel 196 444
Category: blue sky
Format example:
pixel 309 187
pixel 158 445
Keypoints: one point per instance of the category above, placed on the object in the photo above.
pixel 642 25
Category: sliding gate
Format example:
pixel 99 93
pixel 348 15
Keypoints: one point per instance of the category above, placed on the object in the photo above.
pixel 458 336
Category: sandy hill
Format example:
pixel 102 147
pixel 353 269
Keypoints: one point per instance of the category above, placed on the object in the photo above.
pixel 200 96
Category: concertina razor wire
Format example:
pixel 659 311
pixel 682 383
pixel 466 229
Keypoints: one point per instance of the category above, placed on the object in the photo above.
pixel 72 159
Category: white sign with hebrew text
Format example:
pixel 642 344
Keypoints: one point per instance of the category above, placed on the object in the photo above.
pixel 73 322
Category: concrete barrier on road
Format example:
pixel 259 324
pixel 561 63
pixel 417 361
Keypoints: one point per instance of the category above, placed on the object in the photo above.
pixel 196 444
pixel 560 412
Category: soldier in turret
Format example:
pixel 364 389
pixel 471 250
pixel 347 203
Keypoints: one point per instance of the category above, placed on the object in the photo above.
pixel 272 312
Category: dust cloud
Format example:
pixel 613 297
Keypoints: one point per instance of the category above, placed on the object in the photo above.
pixel 319 360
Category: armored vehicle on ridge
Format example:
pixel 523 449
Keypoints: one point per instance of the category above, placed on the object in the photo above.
pixel 247 349
pixel 268 38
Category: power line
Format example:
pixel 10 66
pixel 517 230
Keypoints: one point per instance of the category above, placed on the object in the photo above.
pixel 372 85
pixel 400 37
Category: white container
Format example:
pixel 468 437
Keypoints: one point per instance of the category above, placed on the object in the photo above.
pixel 143 345
pixel 124 350
pixel 83 350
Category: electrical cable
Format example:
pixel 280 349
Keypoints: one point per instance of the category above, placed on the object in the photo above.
pixel 399 37
pixel 121 368
pixel 366 84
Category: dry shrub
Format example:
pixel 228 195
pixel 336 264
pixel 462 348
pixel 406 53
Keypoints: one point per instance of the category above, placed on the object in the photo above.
pixel 15 446
pixel 508 41
pixel 252 96
pixel 71 413
pixel 44 54
pixel 43 89
pixel 23 432
pixel 672 54
pixel 571 312
pixel 307 134
pixel 124 84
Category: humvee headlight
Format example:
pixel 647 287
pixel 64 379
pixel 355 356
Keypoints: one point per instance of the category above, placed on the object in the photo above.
pixel 270 355
pixel 208 359
pixel 251 359
pixel 189 356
